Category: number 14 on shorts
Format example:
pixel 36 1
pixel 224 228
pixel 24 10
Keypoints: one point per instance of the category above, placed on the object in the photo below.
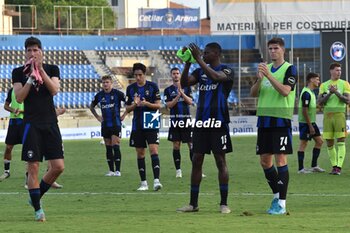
pixel 283 143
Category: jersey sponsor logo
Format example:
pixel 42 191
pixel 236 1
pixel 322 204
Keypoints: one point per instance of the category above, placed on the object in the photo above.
pixel 291 80
pixel 107 106
pixel 208 87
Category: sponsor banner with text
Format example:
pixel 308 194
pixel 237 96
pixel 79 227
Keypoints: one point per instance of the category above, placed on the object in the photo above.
pixel 169 18
pixel 278 16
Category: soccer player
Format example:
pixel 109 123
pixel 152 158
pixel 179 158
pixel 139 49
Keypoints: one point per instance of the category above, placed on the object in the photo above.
pixel 308 128
pixel 275 89
pixel 334 95
pixel 215 81
pixel 14 131
pixel 41 136
pixel 178 100
pixel 110 102
pixel 143 97
pixel 55 185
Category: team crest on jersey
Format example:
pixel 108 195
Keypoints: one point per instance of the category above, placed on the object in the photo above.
pixel 227 71
pixel 267 83
pixel 291 80
pixel 30 154
pixel 204 77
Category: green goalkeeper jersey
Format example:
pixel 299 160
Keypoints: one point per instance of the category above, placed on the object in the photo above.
pixel 334 104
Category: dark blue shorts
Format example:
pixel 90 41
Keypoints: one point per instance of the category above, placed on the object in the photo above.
pixel 177 134
pixel 41 140
pixel 107 132
pixel 304 133
pixel 14 132
pixel 140 139
pixel 275 140
pixel 206 140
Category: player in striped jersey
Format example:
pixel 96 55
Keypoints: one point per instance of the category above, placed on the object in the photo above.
pixel 143 98
pixel 211 131
pixel 110 102
pixel 179 101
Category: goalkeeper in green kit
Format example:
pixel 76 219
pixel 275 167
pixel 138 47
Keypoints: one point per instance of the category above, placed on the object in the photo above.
pixel 334 96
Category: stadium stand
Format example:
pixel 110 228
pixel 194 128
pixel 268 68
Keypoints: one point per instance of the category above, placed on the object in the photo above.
pixel 79 58
pixel 79 78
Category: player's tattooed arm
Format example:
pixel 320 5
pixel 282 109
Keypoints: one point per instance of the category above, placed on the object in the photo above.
pixel 323 98
pixel 345 98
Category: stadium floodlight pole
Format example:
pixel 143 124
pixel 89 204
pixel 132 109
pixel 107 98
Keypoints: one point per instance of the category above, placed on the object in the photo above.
pixel 346 52
pixel 239 68
pixel 304 72
pixel 291 59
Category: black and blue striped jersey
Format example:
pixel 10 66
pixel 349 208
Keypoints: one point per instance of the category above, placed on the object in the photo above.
pixel 149 92
pixel 212 101
pixel 181 110
pixel 110 104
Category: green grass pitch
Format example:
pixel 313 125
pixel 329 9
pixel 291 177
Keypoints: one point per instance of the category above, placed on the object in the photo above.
pixel 91 202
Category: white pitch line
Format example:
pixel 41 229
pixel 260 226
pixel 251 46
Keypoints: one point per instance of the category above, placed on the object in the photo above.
pixel 165 193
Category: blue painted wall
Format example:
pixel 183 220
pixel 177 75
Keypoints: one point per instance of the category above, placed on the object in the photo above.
pixel 150 42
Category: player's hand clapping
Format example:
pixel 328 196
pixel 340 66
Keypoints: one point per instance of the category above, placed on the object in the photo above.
pixel 333 89
pixel 195 50
pixel 263 70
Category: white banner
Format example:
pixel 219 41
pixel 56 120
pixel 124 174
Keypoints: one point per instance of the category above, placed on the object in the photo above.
pixel 240 125
pixel 246 125
pixel 302 16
